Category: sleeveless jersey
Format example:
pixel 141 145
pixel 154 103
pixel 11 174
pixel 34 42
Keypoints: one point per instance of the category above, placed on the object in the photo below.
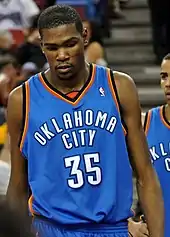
pixel 158 135
pixel 78 165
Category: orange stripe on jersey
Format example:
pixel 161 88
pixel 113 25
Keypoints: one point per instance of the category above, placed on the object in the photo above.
pixel 30 206
pixel 162 115
pixel 65 99
pixel 147 122
pixel 114 96
pixel 26 115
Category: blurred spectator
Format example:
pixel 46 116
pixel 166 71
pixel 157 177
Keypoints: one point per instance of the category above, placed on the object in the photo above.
pixel 6 41
pixel 159 11
pixel 116 10
pixel 9 75
pixel 30 50
pixel 17 14
pixel 5 170
pixel 29 69
pixel 42 4
pixel 94 52
pixel 3 129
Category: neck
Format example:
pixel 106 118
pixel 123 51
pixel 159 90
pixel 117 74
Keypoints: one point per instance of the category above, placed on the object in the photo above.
pixel 74 83
pixel 167 112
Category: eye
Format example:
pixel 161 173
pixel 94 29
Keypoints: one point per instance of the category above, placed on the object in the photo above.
pixel 51 48
pixel 164 76
pixel 71 44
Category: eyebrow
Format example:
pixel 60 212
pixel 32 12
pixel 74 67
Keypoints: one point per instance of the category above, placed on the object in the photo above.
pixel 164 74
pixel 66 41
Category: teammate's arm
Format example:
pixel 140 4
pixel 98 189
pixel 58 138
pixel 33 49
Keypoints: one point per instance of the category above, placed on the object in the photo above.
pixel 148 186
pixel 17 189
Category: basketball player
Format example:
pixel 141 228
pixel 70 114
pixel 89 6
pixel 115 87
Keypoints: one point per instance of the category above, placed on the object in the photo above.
pixel 75 124
pixel 157 128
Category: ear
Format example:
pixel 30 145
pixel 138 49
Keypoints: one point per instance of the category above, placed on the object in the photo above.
pixel 85 37
pixel 41 44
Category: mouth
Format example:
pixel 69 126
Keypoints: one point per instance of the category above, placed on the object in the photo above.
pixel 64 68
pixel 167 94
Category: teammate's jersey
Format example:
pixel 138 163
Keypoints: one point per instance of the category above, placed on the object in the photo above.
pixel 157 130
pixel 78 165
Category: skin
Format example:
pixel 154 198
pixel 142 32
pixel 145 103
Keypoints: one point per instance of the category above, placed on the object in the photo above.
pixel 65 45
pixel 58 50
pixel 94 50
pixel 165 85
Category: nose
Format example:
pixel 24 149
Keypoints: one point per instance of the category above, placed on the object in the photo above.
pixel 62 54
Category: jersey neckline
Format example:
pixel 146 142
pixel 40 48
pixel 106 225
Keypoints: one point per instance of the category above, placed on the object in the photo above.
pixel 65 97
pixel 163 116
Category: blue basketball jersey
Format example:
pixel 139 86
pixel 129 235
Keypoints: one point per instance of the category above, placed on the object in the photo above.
pixel 158 136
pixel 78 165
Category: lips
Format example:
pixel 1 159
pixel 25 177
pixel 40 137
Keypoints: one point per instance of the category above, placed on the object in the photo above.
pixel 64 68
pixel 167 94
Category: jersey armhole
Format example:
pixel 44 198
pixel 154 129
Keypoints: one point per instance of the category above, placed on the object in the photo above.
pixel 147 122
pixel 25 109
pixel 113 88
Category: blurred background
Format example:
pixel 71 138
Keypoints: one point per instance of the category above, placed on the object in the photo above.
pixel 130 36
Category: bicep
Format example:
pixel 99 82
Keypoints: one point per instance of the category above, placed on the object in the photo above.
pixel 18 179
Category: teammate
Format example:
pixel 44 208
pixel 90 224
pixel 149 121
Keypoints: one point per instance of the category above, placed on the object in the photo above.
pixel 157 128
pixel 75 124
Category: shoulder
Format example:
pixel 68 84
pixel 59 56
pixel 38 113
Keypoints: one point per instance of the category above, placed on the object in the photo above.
pixel 16 94
pixel 15 100
pixel 126 89
pixel 123 79
pixel 95 46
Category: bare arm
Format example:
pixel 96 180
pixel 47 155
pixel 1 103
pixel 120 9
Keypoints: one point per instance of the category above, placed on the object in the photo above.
pixel 148 186
pixel 17 189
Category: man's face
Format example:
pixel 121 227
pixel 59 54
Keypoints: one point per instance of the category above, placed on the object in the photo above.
pixel 63 47
pixel 165 78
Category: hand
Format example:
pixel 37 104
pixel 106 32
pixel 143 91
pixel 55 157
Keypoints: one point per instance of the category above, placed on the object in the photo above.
pixel 137 229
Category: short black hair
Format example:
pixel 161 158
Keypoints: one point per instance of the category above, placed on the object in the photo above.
pixel 167 57
pixel 13 223
pixel 58 15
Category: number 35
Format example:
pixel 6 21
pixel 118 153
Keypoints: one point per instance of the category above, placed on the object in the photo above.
pixel 93 172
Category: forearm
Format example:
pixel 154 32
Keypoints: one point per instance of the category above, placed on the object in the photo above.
pixel 150 197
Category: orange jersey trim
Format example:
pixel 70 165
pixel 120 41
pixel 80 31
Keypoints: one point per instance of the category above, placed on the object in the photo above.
pixel 162 117
pixel 54 93
pixel 26 115
pixel 30 206
pixel 147 122
pixel 114 96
